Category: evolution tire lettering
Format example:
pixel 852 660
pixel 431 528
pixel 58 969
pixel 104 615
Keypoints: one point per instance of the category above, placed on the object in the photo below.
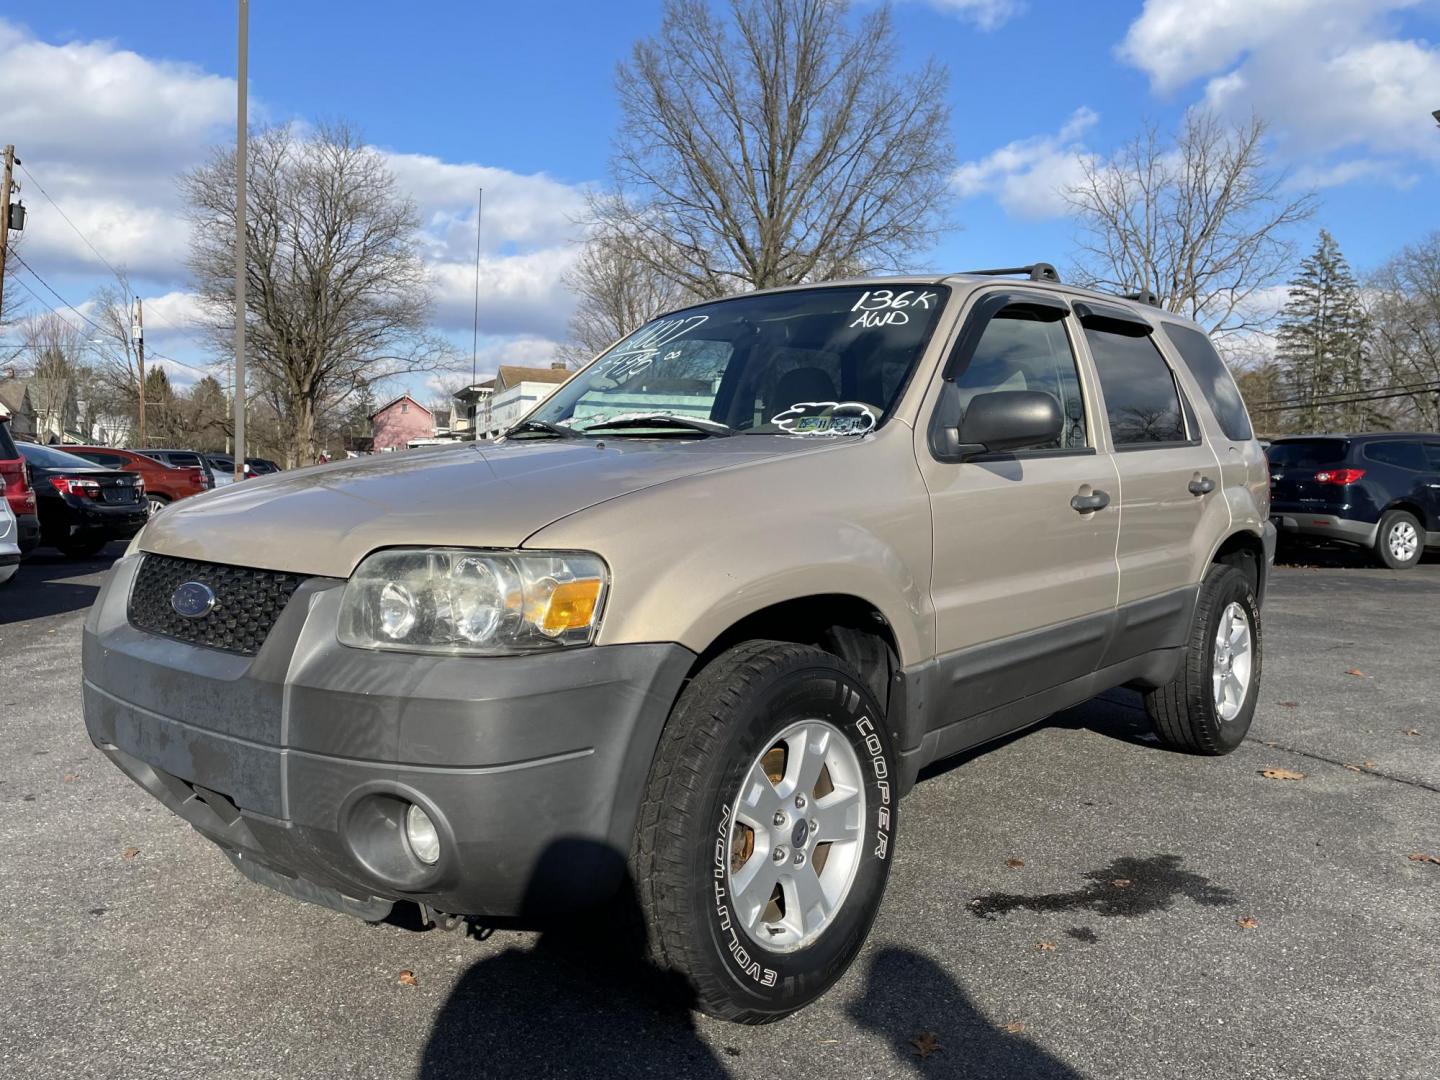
pixel 812 418
pixel 750 966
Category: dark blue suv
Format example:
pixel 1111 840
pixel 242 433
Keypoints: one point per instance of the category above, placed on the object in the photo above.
pixel 1381 492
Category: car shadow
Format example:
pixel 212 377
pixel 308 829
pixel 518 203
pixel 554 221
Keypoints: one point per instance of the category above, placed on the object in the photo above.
pixel 585 1002
pixel 47 583
pixel 1317 555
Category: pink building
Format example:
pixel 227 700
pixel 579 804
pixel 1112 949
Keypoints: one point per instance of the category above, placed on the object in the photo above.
pixel 395 423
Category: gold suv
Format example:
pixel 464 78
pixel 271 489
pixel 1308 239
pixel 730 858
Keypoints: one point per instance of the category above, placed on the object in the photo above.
pixel 683 638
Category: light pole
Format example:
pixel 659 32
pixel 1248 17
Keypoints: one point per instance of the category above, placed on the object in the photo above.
pixel 241 131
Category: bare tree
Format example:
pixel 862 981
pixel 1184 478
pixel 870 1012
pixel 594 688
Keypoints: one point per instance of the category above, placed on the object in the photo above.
pixel 58 373
pixel 337 295
pixel 617 292
pixel 1404 318
pixel 776 145
pixel 1201 222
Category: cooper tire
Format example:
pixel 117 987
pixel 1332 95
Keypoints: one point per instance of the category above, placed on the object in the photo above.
pixel 1190 712
pixel 1399 541
pixel 691 830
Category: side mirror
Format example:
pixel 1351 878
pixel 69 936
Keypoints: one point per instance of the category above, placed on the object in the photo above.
pixel 1007 420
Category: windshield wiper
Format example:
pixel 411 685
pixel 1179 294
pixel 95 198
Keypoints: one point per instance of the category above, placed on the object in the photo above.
pixel 659 419
pixel 544 427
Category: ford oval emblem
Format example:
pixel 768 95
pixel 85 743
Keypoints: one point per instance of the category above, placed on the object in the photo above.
pixel 193 599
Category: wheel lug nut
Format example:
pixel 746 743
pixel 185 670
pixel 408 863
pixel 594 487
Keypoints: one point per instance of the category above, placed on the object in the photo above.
pixel 779 819
pixel 814 828
pixel 799 858
pixel 799 802
pixel 780 854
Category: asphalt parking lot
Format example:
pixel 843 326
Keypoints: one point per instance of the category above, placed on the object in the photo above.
pixel 1073 902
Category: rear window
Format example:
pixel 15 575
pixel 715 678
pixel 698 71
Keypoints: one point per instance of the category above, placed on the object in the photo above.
pixel 1407 455
pixel 49 458
pixel 1216 383
pixel 1307 453
pixel 7 444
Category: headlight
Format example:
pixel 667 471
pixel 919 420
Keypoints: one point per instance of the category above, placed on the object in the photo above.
pixel 483 603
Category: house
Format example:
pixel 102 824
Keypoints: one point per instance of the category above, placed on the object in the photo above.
pixel 396 423
pixel 469 404
pixel 514 392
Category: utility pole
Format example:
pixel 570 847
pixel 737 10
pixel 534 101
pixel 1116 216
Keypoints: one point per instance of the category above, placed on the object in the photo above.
pixel 241 131
pixel 138 331
pixel 10 161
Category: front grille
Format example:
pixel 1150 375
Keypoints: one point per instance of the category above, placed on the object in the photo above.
pixel 247 602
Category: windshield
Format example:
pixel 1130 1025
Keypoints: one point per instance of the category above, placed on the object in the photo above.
pixel 811 362
pixel 47 458
pixel 1306 453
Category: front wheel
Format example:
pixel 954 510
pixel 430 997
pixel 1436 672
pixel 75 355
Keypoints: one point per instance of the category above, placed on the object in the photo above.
pixel 766 834
pixel 1399 542
pixel 1208 706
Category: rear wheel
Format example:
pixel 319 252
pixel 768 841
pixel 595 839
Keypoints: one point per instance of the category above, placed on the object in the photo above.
pixel 764 840
pixel 1208 706
pixel 157 503
pixel 1399 542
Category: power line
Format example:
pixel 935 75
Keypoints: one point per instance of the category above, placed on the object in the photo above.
pixel 55 294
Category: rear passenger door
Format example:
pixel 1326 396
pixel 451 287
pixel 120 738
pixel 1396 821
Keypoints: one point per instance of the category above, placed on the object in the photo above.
pixel 1172 507
pixel 1432 485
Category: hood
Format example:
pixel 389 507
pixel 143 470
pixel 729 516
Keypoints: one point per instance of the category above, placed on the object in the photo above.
pixel 324 520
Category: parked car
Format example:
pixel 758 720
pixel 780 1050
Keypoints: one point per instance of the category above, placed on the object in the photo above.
pixel 164 484
pixel 9 538
pixel 18 492
pixel 689 632
pixel 1380 492
pixel 83 506
pixel 262 466
pixel 224 465
pixel 183 459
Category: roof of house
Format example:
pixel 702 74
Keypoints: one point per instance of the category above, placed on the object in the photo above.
pixel 511 374
pixel 396 401
pixel 12 392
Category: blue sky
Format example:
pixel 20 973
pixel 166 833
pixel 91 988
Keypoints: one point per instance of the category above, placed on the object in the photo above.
pixel 105 102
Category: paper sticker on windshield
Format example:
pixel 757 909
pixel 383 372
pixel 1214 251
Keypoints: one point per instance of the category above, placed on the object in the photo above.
pixel 826 418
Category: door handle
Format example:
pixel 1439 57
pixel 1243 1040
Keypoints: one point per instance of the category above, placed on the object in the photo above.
pixel 1086 504
pixel 1202 485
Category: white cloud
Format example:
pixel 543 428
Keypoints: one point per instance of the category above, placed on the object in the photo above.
pixel 106 130
pixel 1028 177
pixel 1331 75
pixel 986 14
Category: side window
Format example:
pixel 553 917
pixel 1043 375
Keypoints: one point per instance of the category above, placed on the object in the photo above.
pixel 1432 456
pixel 1141 399
pixel 182 461
pixel 1019 352
pixel 1407 455
pixel 1216 383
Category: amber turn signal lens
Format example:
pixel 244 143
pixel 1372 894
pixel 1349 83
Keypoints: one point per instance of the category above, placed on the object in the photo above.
pixel 572 606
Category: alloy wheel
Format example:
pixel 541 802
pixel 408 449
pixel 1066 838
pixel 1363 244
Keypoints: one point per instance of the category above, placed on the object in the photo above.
pixel 1230 671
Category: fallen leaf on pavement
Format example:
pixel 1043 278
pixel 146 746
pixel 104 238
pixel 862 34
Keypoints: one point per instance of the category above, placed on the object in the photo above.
pixel 407 978
pixel 1282 774
pixel 1289 704
pixel 1014 864
pixel 1121 883
pixel 1015 1027
pixel 1420 856
pixel 1364 765
pixel 1410 731
pixel 1247 922
pixel 926 1043
pixel 1356 672
pixel 1045 946
pixel 68 778
pixel 130 853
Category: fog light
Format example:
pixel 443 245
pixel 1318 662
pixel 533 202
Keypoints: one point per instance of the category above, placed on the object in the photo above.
pixel 420 832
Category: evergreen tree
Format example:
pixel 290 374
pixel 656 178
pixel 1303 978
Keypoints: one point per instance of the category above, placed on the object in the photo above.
pixel 1321 340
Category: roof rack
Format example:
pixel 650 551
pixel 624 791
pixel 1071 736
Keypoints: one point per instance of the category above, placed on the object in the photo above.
pixel 1035 272
pixel 1144 296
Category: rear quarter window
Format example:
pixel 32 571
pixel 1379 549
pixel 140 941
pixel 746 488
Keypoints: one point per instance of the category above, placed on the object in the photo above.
pixel 1216 382
pixel 1407 455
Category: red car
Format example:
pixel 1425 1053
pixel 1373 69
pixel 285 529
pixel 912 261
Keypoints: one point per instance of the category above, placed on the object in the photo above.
pixel 18 492
pixel 163 483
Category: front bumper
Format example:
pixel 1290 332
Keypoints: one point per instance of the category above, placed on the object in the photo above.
pixel 299 761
